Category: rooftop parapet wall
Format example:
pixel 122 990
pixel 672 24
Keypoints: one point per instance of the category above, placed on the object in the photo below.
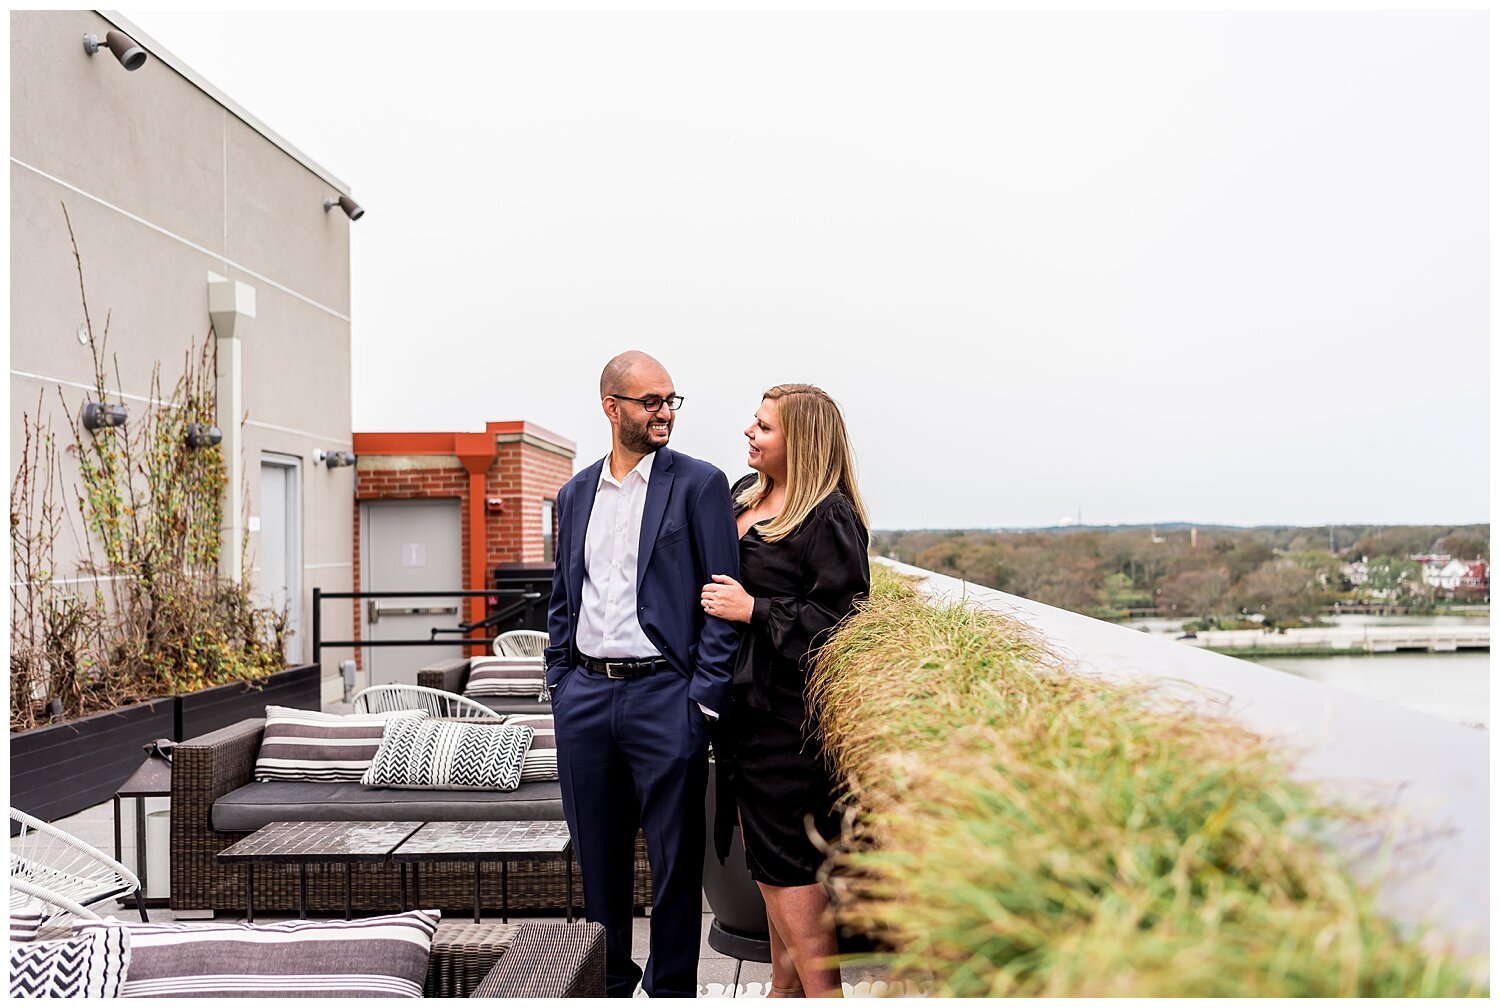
pixel 1433 773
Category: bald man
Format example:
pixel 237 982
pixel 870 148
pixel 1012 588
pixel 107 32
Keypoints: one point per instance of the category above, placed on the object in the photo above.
pixel 637 671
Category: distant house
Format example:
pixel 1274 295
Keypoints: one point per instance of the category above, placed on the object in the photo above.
pixel 1355 573
pixel 1476 581
pixel 1444 573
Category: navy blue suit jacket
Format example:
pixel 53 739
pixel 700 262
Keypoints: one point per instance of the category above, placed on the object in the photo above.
pixel 687 534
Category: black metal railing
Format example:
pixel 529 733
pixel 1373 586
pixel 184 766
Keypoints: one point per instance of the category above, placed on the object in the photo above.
pixel 521 601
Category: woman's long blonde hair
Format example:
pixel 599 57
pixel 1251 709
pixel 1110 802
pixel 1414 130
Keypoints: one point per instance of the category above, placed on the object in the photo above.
pixel 818 459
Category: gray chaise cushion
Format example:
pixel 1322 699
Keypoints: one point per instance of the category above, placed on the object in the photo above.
pixel 254 805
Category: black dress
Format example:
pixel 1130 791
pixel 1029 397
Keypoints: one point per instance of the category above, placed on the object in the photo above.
pixel 772 756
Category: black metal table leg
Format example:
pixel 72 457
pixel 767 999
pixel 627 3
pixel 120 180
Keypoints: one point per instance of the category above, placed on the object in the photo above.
pixel 416 886
pixel 505 892
pixel 302 890
pixel 403 887
pixel 348 890
pixel 140 841
pixel 118 853
pixel 250 892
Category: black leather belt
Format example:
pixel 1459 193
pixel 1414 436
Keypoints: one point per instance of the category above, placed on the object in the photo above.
pixel 625 668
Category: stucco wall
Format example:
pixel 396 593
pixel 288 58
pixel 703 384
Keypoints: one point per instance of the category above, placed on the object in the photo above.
pixel 165 184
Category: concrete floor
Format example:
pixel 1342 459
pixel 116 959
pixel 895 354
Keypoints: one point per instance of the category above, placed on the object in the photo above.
pixel 95 826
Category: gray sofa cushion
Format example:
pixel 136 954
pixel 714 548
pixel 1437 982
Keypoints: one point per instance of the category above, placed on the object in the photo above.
pixel 514 704
pixel 254 805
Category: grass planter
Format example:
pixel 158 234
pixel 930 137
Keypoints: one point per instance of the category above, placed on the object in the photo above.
pixel 1025 830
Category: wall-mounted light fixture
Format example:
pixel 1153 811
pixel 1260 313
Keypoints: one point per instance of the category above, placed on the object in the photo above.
pixel 201 435
pixel 334 459
pixel 97 416
pixel 130 55
pixel 352 209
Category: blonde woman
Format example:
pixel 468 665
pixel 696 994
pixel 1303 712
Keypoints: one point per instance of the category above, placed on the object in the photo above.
pixel 803 563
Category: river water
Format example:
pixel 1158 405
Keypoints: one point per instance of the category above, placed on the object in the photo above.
pixel 1455 686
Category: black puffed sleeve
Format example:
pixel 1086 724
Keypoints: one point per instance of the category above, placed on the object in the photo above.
pixel 834 567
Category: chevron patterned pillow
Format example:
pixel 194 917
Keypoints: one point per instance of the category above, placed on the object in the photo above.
pixel 450 755
pixel 310 745
pixel 82 965
pixel 497 675
pixel 367 957
pixel 541 758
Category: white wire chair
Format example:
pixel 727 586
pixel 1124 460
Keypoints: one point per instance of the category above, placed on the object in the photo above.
pixel 64 874
pixel 436 702
pixel 521 643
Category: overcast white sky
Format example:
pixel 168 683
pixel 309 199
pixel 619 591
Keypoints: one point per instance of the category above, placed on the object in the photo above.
pixel 1206 267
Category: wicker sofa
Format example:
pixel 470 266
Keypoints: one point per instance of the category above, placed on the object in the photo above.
pixel 215 803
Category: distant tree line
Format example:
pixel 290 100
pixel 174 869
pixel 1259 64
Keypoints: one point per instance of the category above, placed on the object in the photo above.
pixel 1281 575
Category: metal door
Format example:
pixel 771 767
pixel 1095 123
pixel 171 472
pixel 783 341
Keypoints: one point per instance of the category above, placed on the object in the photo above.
pixel 278 556
pixel 412 545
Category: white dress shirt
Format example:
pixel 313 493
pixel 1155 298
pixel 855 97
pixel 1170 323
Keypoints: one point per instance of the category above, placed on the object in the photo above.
pixel 607 623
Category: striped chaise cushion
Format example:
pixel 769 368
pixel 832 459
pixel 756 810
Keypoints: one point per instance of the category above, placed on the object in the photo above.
pixel 25 917
pixel 311 745
pixel 367 957
pixel 450 755
pixel 81 965
pixel 541 758
pixel 494 675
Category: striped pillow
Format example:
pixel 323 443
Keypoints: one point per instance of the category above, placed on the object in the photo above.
pixel 79 966
pixel 367 957
pixel 541 758
pixel 495 675
pixel 450 756
pixel 312 746
pixel 25 917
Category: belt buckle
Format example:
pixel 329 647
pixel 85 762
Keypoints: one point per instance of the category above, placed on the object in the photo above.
pixel 610 675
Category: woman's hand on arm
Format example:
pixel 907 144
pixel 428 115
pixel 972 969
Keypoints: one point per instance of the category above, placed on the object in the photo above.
pixel 727 599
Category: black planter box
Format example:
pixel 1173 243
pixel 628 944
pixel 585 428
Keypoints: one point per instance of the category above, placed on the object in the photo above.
pixel 65 768
pixel 220 706
pixel 62 769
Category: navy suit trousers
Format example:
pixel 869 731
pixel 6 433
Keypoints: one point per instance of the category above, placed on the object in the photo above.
pixel 632 754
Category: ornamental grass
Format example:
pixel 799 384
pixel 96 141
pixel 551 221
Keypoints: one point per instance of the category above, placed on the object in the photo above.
pixel 1017 829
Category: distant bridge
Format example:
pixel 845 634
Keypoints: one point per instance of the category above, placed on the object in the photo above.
pixel 1368 640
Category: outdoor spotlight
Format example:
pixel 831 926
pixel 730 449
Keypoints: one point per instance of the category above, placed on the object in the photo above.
pixel 203 435
pixel 334 459
pixel 97 416
pixel 344 203
pixel 130 55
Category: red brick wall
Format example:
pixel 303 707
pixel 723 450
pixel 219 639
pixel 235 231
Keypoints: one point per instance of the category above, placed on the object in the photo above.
pixel 523 476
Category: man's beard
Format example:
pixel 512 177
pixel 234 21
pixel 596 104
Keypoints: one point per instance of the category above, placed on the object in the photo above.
pixel 637 437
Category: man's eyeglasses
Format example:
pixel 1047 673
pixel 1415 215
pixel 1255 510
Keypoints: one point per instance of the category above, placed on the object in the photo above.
pixel 652 403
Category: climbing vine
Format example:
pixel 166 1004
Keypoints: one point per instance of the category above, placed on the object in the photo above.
pixel 149 612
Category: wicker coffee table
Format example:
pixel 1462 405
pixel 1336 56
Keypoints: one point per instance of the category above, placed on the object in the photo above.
pixel 479 842
pixel 305 843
